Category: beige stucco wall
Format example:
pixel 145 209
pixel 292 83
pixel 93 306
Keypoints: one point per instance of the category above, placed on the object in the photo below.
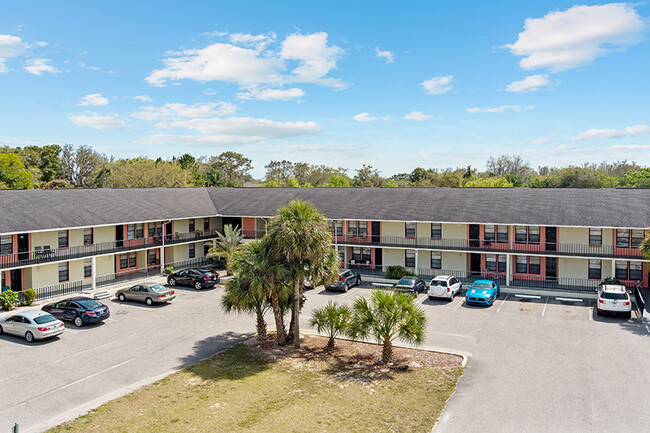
pixel 574 235
pixel 454 261
pixel 75 237
pixel 45 275
pixel 105 265
pixel 393 257
pixel 104 234
pixel 454 231
pixel 45 238
pixel 608 236
pixel 573 268
pixel 392 229
pixel 182 226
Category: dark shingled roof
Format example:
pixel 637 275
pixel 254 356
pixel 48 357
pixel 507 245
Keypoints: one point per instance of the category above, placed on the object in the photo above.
pixel 30 210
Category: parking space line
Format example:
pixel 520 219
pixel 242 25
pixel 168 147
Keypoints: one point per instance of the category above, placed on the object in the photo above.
pixel 112 320
pixel 503 302
pixel 350 292
pixel 545 304
pixel 568 299
pixel 591 313
pixel 528 296
pixel 421 299
pixel 459 303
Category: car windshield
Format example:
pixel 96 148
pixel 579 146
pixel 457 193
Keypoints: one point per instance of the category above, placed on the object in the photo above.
pixel 45 318
pixel 406 282
pixel 89 304
pixel 439 283
pixel 610 295
pixel 483 286
pixel 157 288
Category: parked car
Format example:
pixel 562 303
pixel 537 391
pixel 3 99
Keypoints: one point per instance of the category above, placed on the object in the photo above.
pixel 307 283
pixel 198 278
pixel 444 286
pixel 410 284
pixel 32 325
pixel 148 293
pixel 482 292
pixel 613 299
pixel 79 310
pixel 347 279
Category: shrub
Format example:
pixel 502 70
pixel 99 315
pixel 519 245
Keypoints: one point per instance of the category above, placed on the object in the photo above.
pixel 611 280
pixel 8 299
pixel 168 270
pixel 395 272
pixel 30 296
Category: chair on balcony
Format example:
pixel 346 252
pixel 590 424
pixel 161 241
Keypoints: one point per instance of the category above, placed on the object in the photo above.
pixel 38 252
pixel 47 251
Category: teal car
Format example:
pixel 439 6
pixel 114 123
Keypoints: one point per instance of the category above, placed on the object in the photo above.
pixel 482 292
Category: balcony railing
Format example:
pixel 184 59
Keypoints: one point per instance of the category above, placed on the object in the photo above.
pixel 544 248
pixel 46 255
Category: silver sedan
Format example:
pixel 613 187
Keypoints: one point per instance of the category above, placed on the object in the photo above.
pixel 32 325
pixel 148 293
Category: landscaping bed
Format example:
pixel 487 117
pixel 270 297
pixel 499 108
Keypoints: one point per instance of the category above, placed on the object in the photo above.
pixel 260 387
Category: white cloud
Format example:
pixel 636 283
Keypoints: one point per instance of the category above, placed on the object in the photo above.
pixel 198 140
pixel 38 66
pixel 500 109
pixel 173 111
pixel 41 44
pixel 96 121
pixel 417 115
pixel 10 46
pixel 213 34
pixel 567 39
pixel 603 134
pixel 248 127
pixel 386 55
pixel 364 117
pixel 272 94
pixel 93 99
pixel 143 98
pixel 315 57
pixel 538 141
pixel 626 147
pixel 438 85
pixel 531 83
pixel 259 42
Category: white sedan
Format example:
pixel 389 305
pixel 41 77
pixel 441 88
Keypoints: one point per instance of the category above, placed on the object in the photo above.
pixel 444 286
pixel 32 325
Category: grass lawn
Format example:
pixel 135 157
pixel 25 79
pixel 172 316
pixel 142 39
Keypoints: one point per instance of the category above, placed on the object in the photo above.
pixel 263 388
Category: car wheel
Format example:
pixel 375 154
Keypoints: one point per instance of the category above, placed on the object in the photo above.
pixel 451 298
pixel 346 287
pixel 430 298
pixel 121 297
pixel 358 280
pixel 198 285
pixel 171 281
pixel 149 301
pixel 1 330
pixel 598 312
pixel 29 337
pixel 628 316
pixel 78 322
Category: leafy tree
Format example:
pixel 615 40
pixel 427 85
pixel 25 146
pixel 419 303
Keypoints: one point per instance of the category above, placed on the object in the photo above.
pixel 228 169
pixel 338 181
pixel 293 183
pixel 488 182
pixel 147 173
pixel 279 171
pixel 387 316
pixel 637 178
pixel 244 295
pixel 80 165
pixel 367 176
pixel 391 184
pixel 227 245
pixel 508 164
pixel 13 173
pixel 271 184
pixel 331 320
pixel 45 158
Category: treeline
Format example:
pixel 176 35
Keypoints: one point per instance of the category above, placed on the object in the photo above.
pixel 68 166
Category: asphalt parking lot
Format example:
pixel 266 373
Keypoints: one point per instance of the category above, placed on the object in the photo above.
pixel 536 364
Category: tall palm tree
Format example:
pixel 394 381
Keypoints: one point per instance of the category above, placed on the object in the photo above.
pixel 389 315
pixel 227 245
pixel 300 237
pixel 331 320
pixel 243 296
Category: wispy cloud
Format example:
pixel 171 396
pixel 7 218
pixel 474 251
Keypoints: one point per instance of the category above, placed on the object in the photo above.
pixel 604 134
pixel 500 109
pixel 532 83
pixel 417 115
pixel 38 66
pixel 438 85
pixel 96 121
pixel 93 99
pixel 386 55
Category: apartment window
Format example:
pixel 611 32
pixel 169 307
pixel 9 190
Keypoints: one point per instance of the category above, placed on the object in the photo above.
pixel 628 270
pixel 63 239
pixel 595 237
pixel 436 231
pixel 489 233
pixel 520 234
pixel 192 251
pixel 409 258
pixel 356 254
pixel 436 260
pixel 155 229
pixel 622 238
pixel 365 255
pixel 595 269
pixel 337 227
pixel 521 265
pixel 139 231
pixel 151 257
pixel 636 271
pixel 502 263
pixel 88 236
pixel 342 253
pixel 534 265
pixel 191 228
pixel 64 275
pixel 133 260
pixel 491 262
pixel 502 233
pixel 527 234
pixel 363 229
pixel 637 238
pixel 124 261
pixel 533 234
pixel 206 224
pixel 6 246
pixel 409 230
pixel 352 228
pixel 88 268
pixel 130 231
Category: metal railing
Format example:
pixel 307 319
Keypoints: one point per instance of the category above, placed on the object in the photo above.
pixel 638 298
pixel 45 255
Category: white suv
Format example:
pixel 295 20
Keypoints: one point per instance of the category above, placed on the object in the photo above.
pixel 444 286
pixel 613 299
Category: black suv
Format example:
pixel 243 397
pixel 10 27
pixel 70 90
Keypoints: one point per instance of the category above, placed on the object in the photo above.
pixel 346 280
pixel 198 278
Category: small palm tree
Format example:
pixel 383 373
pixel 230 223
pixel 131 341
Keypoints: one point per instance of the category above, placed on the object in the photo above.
pixel 389 315
pixel 243 296
pixel 331 320
pixel 645 247
pixel 227 245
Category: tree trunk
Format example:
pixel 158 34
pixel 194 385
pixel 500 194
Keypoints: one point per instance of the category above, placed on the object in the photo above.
pixel 261 327
pixel 330 345
pixel 279 322
pixel 292 324
pixel 387 353
pixel 228 268
pixel 296 313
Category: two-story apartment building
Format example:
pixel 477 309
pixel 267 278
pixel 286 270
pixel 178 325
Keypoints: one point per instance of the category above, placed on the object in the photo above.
pixel 569 238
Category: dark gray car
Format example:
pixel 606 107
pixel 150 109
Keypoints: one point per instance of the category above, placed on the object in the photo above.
pixel 346 280
pixel 149 293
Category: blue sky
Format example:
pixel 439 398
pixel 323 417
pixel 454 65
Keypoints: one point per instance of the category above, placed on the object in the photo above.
pixel 392 84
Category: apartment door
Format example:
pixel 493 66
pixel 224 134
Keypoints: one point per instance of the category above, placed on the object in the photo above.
pixel 23 246
pixel 119 236
pixel 168 230
pixel 475 264
pixel 378 259
pixel 375 228
pixel 474 235
pixel 551 238
pixel 551 269
pixel 16 280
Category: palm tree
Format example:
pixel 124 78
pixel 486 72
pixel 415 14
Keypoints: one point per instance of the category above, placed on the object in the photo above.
pixel 227 245
pixel 243 296
pixel 389 315
pixel 645 247
pixel 300 237
pixel 331 320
